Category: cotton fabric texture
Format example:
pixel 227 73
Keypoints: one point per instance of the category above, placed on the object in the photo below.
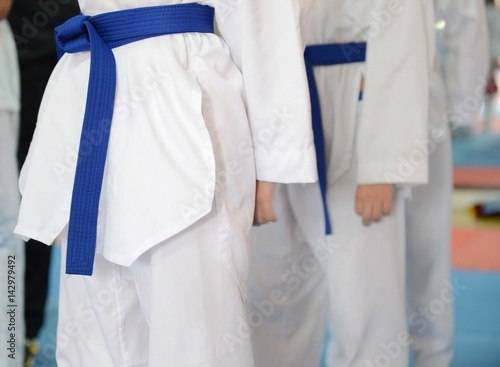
pixel 161 172
pixel 197 119
pixel 11 247
pixel 457 85
pixel 353 280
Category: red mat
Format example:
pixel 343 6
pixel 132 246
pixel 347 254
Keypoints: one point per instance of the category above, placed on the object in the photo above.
pixel 476 249
pixel 477 177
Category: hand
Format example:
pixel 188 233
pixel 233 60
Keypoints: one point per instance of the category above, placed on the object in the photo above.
pixel 5 8
pixel 264 212
pixel 373 201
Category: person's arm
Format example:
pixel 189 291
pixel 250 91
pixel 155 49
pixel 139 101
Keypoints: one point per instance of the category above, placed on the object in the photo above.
pixel 394 117
pixel 5 6
pixel 265 40
pixel 466 65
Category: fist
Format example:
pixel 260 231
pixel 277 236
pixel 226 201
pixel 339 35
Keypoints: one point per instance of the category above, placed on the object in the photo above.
pixel 264 212
pixel 374 201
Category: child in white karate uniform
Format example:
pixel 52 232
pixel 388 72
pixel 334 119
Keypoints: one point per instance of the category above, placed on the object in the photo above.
pixel 457 86
pixel 355 277
pixel 197 119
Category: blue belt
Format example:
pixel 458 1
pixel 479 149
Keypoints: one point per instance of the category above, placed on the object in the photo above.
pixel 99 34
pixel 323 55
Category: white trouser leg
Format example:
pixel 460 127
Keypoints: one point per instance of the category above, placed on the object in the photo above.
pixel 287 291
pixel 361 268
pixel 177 305
pixel 11 248
pixel 430 297
pixel 366 284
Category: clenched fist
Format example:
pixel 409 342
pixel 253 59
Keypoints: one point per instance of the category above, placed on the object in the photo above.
pixel 264 212
pixel 374 201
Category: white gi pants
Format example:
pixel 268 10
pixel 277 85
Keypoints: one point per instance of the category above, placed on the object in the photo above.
pixel 430 297
pixel 11 248
pixel 177 305
pixel 354 279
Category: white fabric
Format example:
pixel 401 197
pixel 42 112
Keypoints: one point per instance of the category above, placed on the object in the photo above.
pixel 178 305
pixel 300 278
pixel 9 70
pixel 179 97
pixel 11 247
pixel 360 282
pixel 459 80
pixel 353 281
pixel 493 24
pixel 430 306
pixel 398 34
pixel 430 297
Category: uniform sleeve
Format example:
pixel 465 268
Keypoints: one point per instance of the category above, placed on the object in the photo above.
pixel 467 61
pixel 392 132
pixel 265 40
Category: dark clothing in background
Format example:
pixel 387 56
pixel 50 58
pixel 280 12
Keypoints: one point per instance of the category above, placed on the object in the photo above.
pixel 33 24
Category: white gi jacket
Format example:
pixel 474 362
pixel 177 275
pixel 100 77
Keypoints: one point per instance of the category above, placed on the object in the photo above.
pixel 161 172
pixel 391 119
pixel 458 81
pixel 9 70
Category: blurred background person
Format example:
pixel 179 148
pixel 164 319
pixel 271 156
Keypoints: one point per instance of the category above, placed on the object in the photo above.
pixel 11 247
pixel 33 24
pixel 456 94
pixel 371 62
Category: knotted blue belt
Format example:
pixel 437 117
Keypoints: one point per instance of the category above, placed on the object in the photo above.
pixel 99 34
pixel 323 55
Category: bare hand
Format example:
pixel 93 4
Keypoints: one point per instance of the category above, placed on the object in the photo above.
pixel 374 201
pixel 264 212
pixel 5 8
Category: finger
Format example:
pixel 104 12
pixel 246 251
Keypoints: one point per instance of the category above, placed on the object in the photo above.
pixel 377 211
pixel 264 213
pixel 367 213
pixel 358 206
pixel 256 217
pixel 268 212
pixel 387 205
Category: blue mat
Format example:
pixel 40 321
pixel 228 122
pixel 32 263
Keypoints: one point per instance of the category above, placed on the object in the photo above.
pixel 477 150
pixel 477 320
pixel 48 334
pixel 477 314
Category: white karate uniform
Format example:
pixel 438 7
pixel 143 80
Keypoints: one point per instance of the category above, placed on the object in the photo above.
pixel 356 276
pixel 455 97
pixel 11 247
pixel 197 119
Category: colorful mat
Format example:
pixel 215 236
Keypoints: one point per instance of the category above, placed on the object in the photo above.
pixel 480 150
pixel 476 249
pixel 476 177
